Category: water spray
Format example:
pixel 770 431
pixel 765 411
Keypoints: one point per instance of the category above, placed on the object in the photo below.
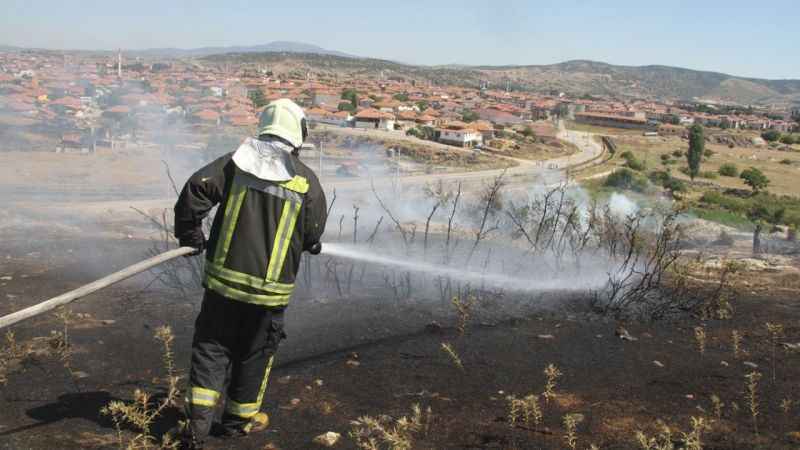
pixel 527 284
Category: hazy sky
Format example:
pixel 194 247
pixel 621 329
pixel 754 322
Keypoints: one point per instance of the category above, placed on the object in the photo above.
pixel 746 38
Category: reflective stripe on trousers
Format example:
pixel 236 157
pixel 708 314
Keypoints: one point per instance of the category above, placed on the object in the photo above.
pixel 248 410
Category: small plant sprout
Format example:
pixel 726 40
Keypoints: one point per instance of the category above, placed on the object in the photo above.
pixel 717 406
pixel 448 349
pixel 700 339
pixel 552 373
pixel 752 397
pixel 736 338
pixel 571 422
pixel 775 331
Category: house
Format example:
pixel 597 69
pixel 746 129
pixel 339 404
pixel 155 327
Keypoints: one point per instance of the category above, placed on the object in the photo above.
pixel 426 120
pixel 460 134
pixel 372 118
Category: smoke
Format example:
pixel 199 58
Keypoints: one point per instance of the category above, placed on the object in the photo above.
pixel 622 206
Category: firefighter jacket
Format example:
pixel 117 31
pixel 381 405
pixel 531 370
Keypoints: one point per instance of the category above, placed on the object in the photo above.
pixel 259 231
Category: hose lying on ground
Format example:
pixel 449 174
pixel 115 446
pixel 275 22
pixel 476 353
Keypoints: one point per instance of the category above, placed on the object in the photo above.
pixel 83 291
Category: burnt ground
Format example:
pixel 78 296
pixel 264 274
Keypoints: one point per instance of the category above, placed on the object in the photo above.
pixel 614 384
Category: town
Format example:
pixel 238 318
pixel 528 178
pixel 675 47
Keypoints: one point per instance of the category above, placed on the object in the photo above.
pixel 79 102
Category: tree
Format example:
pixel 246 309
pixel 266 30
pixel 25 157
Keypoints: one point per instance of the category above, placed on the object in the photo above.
pixel 528 131
pixel 350 95
pixel 346 106
pixel 257 98
pixel 469 116
pixel 787 139
pixel 759 215
pixel 771 135
pixel 755 179
pixel 696 149
pixel 422 105
pixel 403 97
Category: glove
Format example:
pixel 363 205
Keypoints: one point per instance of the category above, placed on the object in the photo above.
pixel 195 239
pixel 314 248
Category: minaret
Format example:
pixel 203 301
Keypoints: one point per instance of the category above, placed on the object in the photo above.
pixel 119 63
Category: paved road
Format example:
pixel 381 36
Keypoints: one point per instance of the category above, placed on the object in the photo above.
pixel 525 171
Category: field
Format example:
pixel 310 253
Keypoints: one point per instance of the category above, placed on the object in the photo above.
pixel 616 387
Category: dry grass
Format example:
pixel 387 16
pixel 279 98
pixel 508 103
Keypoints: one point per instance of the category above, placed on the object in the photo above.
pixel 384 432
pixel 141 413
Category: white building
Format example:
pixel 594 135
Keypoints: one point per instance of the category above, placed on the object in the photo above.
pixel 462 137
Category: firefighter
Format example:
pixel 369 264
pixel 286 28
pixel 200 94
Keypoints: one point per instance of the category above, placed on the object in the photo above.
pixel 271 209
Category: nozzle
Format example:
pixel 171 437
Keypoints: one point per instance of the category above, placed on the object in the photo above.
pixel 315 248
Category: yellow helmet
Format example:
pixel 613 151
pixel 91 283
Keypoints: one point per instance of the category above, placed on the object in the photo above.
pixel 285 119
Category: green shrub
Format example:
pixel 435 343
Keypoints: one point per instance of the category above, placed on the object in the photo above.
pixel 771 135
pixel 627 179
pixel 708 174
pixel 659 177
pixel 632 162
pixel 708 153
pixel 675 185
pixel 665 158
pixel 729 170
pixel 788 139
pixel 787 161
pixel 678 153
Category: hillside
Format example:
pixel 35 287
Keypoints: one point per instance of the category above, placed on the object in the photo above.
pixel 574 77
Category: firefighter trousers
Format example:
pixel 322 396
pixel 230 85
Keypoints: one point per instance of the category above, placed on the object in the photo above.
pixel 234 344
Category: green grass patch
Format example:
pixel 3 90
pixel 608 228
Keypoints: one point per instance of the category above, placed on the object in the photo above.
pixel 722 217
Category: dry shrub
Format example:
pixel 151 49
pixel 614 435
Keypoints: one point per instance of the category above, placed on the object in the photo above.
pixel 384 432
pixel 463 312
pixel 571 422
pixel 142 412
pixel 11 354
pixel 751 395
pixel 552 374
pixel 665 440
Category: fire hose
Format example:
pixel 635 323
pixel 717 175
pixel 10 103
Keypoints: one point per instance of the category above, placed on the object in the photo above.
pixel 83 291
pixel 116 277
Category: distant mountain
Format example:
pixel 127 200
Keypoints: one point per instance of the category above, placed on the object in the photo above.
pixel 648 81
pixel 572 77
pixel 277 47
